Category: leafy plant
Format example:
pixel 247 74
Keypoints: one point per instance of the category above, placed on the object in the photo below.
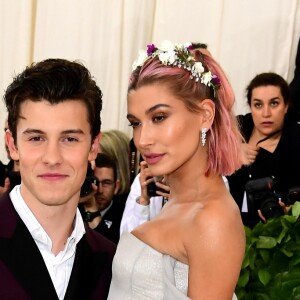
pixel 271 266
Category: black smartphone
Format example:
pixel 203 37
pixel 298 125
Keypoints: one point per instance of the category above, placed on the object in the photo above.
pixel 152 189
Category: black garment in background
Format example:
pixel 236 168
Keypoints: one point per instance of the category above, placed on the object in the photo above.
pixel 111 221
pixel 7 171
pixel 294 87
pixel 283 164
pixel 2 173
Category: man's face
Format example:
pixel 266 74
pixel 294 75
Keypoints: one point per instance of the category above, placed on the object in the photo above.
pixel 107 188
pixel 53 147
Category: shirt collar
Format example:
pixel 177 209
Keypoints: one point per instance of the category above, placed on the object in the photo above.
pixel 33 225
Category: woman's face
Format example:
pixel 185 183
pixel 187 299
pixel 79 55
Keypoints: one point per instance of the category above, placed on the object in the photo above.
pixel 268 109
pixel 164 131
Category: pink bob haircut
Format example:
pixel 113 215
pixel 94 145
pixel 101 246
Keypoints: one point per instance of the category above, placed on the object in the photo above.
pixel 223 138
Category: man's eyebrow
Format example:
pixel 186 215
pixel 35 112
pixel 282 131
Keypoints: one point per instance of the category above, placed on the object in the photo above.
pixel 38 131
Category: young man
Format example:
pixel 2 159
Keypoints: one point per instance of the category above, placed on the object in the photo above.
pixel 104 210
pixel 46 252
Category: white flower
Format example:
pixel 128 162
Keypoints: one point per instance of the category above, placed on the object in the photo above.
pixel 140 60
pixel 198 68
pixel 168 57
pixel 206 78
pixel 167 46
pixel 187 45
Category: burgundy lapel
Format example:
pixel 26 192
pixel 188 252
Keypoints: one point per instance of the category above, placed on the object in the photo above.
pixel 21 256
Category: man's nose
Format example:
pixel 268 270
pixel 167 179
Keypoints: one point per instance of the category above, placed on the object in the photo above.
pixel 52 154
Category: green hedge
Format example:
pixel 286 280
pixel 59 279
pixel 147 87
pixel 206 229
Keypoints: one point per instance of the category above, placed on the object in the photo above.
pixel 271 266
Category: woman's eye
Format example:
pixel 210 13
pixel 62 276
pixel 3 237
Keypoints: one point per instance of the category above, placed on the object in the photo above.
pixel 257 105
pixel 159 118
pixel 275 103
pixel 134 124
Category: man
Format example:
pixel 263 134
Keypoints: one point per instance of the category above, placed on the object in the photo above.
pixel 104 211
pixel 46 252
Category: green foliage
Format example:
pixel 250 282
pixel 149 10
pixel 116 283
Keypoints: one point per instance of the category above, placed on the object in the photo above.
pixel 271 266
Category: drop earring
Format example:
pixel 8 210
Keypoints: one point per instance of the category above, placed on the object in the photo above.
pixel 203 136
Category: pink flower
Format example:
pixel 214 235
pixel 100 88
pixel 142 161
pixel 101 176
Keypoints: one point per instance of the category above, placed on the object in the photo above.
pixel 151 49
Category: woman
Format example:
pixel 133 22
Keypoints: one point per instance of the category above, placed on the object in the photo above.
pixel 179 105
pixel 115 144
pixel 270 152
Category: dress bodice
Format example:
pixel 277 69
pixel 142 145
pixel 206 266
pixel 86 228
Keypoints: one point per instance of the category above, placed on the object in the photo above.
pixel 141 272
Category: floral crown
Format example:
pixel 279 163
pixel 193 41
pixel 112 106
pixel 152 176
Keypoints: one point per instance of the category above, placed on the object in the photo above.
pixel 178 56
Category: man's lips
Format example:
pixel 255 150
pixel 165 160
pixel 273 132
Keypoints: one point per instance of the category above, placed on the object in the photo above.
pixel 153 158
pixel 52 176
pixel 100 199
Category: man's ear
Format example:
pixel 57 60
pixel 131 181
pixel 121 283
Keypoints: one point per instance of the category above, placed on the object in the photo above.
pixel 117 187
pixel 10 142
pixel 94 147
pixel 207 107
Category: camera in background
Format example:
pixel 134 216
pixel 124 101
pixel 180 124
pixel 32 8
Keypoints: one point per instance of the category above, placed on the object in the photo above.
pixel 90 179
pixel 261 195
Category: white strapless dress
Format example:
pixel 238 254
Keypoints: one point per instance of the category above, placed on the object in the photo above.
pixel 141 272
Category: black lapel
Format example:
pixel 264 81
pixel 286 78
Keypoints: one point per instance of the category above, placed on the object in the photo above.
pixel 23 258
pixel 87 269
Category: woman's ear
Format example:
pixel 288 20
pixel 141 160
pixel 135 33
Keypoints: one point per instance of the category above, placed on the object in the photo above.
pixel 10 142
pixel 207 107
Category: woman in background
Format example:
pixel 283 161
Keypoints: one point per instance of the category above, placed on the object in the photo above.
pixel 180 108
pixel 115 144
pixel 270 152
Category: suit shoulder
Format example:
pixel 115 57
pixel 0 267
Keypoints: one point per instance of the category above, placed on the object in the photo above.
pixel 98 242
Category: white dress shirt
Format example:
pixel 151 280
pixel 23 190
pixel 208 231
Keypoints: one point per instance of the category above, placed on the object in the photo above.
pixel 59 266
pixel 136 214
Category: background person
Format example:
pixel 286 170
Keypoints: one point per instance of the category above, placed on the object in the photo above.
pixel 10 173
pixel 140 206
pixel 103 209
pixel 115 144
pixel 46 252
pixel 271 148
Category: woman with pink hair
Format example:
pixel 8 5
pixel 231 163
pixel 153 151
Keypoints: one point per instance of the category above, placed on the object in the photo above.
pixel 180 108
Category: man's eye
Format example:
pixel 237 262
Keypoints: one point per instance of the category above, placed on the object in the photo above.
pixel 35 139
pixel 71 139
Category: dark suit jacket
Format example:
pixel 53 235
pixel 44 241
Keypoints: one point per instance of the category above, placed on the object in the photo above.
pixel 24 275
pixel 111 221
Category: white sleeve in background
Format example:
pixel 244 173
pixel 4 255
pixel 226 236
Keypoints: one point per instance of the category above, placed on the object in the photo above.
pixel 136 214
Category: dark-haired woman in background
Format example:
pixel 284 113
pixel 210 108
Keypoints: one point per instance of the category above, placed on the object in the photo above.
pixel 271 151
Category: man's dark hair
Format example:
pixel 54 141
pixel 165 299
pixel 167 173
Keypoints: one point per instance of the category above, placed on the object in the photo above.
pixel 105 161
pixel 54 80
pixel 265 79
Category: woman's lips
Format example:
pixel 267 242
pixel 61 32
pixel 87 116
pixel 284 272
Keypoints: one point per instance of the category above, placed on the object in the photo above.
pixel 267 124
pixel 152 159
